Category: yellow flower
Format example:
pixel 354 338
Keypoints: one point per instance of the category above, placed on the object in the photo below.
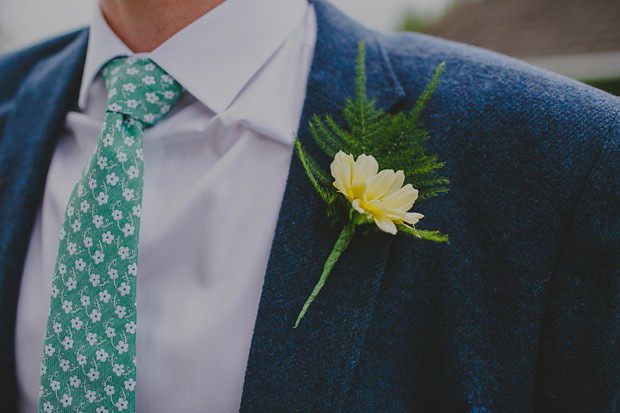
pixel 380 196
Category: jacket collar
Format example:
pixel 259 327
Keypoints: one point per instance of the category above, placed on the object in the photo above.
pixel 314 364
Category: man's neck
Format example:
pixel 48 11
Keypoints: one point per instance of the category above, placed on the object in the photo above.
pixel 145 24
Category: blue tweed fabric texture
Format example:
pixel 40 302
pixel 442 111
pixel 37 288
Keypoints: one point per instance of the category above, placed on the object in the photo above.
pixel 519 313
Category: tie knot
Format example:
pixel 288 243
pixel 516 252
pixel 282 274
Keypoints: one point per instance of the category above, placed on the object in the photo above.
pixel 140 89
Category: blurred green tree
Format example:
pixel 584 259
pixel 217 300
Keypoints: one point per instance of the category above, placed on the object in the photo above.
pixel 414 21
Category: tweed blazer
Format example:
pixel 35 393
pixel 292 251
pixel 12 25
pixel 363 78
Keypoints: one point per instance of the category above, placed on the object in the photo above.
pixel 519 313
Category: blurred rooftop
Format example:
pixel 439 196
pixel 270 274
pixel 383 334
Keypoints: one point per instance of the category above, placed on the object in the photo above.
pixel 577 38
pixel 529 28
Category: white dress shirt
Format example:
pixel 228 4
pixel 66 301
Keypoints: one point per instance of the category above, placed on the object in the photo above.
pixel 215 172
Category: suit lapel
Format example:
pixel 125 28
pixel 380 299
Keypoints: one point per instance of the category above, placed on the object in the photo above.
pixel 26 149
pixel 309 368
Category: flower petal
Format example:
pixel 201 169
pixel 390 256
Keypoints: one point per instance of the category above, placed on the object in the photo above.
pixel 356 205
pixel 399 180
pixel 402 200
pixel 396 215
pixel 365 167
pixel 346 158
pixel 341 169
pixel 385 224
pixel 379 184
pixel 413 217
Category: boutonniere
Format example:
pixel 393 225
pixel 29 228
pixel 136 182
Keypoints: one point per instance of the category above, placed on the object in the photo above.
pixel 380 169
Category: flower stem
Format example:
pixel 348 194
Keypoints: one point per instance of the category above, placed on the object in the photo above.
pixel 345 237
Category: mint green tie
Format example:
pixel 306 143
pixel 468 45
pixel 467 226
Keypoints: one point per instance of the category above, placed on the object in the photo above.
pixel 89 354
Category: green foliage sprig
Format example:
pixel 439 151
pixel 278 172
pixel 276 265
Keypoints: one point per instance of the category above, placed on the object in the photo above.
pixel 395 140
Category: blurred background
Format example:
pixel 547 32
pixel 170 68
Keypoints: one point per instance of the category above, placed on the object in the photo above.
pixel 576 38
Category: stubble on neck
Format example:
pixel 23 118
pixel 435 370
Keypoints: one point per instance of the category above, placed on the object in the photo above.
pixel 145 24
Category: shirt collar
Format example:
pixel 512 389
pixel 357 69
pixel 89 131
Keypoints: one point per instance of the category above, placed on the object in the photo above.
pixel 213 57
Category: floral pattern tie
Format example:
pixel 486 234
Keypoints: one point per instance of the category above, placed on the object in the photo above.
pixel 89 353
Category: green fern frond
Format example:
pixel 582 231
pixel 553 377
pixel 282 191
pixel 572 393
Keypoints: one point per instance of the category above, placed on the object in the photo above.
pixel 324 138
pixel 435 236
pixel 348 141
pixel 428 91
pixel 396 140
pixel 360 74
pixel 317 178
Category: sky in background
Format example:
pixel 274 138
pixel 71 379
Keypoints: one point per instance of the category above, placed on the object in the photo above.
pixel 26 21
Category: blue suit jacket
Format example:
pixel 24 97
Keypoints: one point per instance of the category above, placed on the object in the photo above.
pixel 520 312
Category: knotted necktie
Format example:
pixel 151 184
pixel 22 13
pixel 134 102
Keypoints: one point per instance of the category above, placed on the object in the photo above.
pixel 89 354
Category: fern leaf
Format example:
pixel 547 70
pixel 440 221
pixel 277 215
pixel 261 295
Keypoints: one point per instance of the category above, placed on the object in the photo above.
pixel 315 175
pixel 435 236
pixel 348 140
pixel 428 91
pixel 396 140
pixel 323 137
